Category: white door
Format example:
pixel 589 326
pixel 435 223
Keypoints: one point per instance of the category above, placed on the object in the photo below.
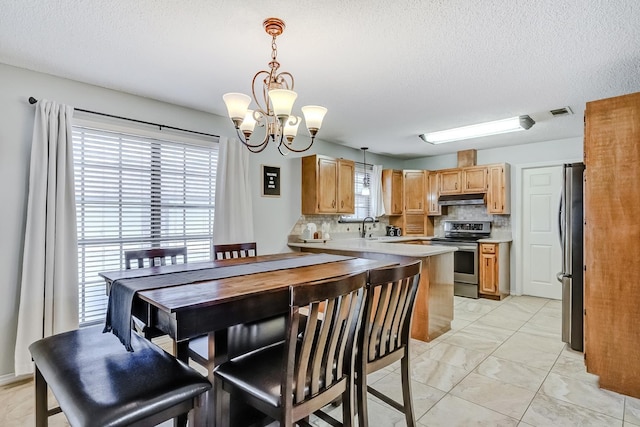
pixel 542 254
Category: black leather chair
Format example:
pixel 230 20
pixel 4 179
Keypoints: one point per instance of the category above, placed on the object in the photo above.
pixel 154 256
pixel 386 333
pixel 312 368
pixel 97 382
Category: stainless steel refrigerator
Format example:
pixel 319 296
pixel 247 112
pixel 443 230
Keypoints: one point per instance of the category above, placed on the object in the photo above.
pixel 571 231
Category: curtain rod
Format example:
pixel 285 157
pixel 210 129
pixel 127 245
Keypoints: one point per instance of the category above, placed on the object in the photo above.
pixel 32 100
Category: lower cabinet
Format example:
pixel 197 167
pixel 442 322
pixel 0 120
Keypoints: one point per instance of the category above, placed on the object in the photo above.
pixel 494 270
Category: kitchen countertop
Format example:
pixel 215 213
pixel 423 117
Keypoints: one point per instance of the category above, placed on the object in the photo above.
pixel 496 240
pixel 383 244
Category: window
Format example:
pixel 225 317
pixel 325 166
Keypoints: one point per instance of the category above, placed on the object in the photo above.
pixel 133 192
pixel 362 203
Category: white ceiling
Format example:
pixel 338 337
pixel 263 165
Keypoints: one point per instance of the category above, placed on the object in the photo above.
pixel 386 70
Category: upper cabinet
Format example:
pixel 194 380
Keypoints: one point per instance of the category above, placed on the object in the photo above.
pixel 463 180
pixel 433 192
pixel 450 181
pixel 499 191
pixel 414 191
pixel 474 179
pixel 327 185
pixel 392 189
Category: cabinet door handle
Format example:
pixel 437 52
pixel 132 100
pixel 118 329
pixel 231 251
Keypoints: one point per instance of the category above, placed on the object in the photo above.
pixel 456 186
pixel 342 203
pixel 333 203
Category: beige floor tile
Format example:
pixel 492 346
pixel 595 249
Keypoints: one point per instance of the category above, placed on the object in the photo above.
pixel 632 410
pixel 469 339
pixel 573 367
pixel 581 393
pixel 452 411
pixel 490 393
pixel 436 374
pixel 527 356
pixel 511 372
pixel 512 311
pixel 546 411
pixel 499 321
pixel 460 357
pixel 424 396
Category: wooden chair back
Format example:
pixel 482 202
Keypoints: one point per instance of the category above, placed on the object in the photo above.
pixel 320 357
pixel 154 256
pixel 234 250
pixel 386 332
pixel 314 366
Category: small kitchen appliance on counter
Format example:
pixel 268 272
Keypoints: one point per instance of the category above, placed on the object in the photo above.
pixel 464 235
pixel 394 231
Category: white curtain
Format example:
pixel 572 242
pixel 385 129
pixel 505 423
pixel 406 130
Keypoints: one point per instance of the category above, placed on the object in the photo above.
pixel 49 286
pixel 233 219
pixel 377 204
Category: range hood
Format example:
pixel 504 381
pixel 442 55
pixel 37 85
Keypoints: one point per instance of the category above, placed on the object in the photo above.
pixel 462 199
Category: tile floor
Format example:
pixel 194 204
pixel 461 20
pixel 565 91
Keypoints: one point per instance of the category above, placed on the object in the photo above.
pixel 502 364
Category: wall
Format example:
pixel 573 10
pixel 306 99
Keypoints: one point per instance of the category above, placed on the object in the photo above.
pixel 273 217
pixel 541 153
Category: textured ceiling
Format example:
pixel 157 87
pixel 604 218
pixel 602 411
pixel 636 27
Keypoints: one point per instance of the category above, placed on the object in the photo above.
pixel 386 70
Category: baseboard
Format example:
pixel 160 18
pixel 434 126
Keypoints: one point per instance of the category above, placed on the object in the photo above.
pixel 11 378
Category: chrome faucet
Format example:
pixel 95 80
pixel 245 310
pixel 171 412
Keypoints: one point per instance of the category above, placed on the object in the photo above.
pixel 364 231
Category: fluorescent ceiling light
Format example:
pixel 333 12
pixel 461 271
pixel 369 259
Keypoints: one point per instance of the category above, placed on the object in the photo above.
pixel 512 124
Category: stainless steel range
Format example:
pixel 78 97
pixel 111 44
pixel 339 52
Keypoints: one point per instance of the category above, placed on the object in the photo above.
pixel 464 235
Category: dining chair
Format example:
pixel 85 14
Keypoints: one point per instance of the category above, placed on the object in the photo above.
pixel 154 256
pixel 314 366
pixel 234 250
pixel 97 382
pixel 385 334
pixel 238 339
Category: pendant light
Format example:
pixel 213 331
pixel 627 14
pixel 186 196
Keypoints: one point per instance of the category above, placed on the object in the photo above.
pixel 365 181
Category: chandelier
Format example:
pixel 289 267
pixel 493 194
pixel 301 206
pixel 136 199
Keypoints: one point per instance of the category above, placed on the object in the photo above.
pixel 274 107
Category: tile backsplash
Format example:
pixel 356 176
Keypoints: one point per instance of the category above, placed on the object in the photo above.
pixel 337 229
pixel 500 224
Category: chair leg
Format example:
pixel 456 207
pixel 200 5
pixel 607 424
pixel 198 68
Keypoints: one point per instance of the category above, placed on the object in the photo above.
pixel 221 406
pixel 347 407
pixel 361 398
pixel 406 390
pixel 41 400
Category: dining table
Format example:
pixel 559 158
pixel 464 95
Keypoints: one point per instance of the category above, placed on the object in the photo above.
pixel 190 300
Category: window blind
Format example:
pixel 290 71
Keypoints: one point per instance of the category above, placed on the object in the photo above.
pixel 362 203
pixel 135 192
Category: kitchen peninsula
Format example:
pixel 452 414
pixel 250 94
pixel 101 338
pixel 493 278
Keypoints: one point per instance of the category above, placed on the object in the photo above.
pixel 434 303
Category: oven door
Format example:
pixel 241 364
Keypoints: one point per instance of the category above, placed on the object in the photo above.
pixel 465 268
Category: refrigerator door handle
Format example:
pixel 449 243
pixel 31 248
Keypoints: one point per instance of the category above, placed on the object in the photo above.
pixel 560 231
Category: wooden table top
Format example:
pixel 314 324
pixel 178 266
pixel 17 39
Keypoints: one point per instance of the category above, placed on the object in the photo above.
pixel 216 292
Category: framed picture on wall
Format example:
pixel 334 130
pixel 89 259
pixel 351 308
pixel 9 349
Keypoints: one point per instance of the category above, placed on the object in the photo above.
pixel 270 181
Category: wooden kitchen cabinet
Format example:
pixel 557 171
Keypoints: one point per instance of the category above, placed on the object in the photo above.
pixel 327 185
pixel 463 180
pixel 499 189
pixel 474 179
pixel 433 192
pixel 392 191
pixel 494 270
pixel 612 242
pixel 450 181
pixel 414 191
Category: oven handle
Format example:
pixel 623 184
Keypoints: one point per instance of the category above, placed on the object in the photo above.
pixel 460 246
